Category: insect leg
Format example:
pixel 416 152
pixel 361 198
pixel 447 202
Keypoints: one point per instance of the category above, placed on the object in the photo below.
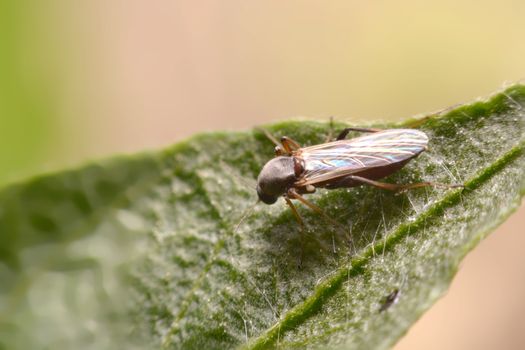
pixel 301 223
pixel 344 133
pixel 279 151
pixel 269 136
pixel 400 187
pixel 289 145
pixel 293 194
pixel 294 211
pixel 330 135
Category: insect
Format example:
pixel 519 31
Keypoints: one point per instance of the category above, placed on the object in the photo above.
pixel 393 297
pixel 389 300
pixel 341 163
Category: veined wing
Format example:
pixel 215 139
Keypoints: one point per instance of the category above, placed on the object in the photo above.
pixel 345 157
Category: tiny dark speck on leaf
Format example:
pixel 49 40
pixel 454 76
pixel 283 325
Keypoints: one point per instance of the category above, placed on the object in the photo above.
pixel 390 300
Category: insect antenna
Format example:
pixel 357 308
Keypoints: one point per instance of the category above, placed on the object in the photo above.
pixel 327 217
pixel 269 136
pixel 246 213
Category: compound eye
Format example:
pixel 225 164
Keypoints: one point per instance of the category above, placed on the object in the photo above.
pixel 267 199
pixel 278 151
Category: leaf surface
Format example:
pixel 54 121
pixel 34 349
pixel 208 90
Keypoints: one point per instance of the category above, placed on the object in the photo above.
pixel 146 251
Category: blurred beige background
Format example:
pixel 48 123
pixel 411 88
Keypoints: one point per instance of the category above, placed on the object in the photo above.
pixel 84 80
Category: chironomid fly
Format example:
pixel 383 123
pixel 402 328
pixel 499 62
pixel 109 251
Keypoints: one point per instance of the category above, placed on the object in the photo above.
pixel 341 163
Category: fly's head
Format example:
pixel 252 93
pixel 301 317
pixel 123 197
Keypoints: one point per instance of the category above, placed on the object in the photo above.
pixel 275 178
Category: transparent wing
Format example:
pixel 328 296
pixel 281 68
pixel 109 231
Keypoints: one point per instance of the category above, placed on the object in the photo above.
pixel 345 157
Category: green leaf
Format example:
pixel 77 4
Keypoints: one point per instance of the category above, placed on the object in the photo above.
pixel 29 91
pixel 146 251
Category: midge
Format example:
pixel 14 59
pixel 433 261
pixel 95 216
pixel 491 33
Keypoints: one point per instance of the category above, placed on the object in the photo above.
pixel 342 163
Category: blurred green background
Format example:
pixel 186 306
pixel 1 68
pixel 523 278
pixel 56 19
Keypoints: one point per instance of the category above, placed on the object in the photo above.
pixel 81 80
